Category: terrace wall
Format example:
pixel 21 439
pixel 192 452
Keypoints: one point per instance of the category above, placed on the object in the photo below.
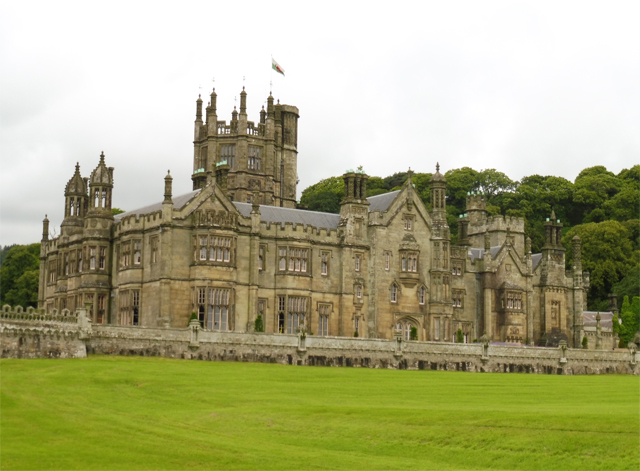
pixel 35 334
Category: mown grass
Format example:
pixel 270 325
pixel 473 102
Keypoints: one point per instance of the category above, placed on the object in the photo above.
pixel 155 413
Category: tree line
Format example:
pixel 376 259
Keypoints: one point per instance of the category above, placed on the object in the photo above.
pixel 599 206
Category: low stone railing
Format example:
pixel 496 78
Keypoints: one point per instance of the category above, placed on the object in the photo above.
pixel 37 315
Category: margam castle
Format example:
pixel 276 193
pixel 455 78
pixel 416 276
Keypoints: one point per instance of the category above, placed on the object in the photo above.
pixel 237 247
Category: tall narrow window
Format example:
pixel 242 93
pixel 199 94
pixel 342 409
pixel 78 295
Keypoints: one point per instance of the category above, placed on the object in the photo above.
pixel 387 260
pixel 218 310
pixel 228 154
pixel 92 258
pixel 137 252
pixel 394 293
pixel 323 319
pixel 203 248
pixel 103 258
pixel 437 328
pixel 254 161
pixel 101 314
pixel 324 263
pixel 261 258
pixel 154 249
pixel 296 312
pixel 421 295
pixel 357 263
pixel 135 306
pixel 282 302
pixel 80 260
pixel 358 291
pixel 125 304
pixel 283 259
pixel 356 324
pixel 88 299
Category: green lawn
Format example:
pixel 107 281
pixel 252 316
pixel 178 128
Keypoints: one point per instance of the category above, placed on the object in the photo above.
pixel 154 413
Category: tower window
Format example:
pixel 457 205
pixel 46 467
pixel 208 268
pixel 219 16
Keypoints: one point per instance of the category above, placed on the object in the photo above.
pixel 254 161
pixel 228 154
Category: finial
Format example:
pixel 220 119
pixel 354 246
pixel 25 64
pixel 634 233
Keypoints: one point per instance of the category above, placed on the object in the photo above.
pixel 199 96
pixel 437 166
pixel 168 172
pixel 102 156
pixel 278 100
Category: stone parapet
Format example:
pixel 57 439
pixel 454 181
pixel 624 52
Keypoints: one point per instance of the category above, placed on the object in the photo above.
pixel 36 334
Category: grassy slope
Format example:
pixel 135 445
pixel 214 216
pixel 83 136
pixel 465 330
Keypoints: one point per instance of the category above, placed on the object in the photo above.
pixel 144 413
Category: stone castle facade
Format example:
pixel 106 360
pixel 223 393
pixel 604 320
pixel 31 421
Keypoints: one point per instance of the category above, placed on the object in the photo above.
pixel 237 247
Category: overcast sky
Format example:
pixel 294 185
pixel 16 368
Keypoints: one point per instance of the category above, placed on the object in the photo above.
pixel 524 87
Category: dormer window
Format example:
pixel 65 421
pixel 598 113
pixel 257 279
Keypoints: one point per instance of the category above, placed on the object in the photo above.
pixel 408 223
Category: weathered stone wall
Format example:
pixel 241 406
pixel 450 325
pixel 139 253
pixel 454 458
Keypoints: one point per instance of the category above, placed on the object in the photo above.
pixel 34 334
pixel 194 343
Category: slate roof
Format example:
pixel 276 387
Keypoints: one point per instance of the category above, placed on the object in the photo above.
pixel 178 203
pixel 589 319
pixel 277 215
pixel 535 260
pixel 476 253
pixel 383 201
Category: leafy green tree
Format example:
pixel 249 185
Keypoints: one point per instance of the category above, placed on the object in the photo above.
pixel 19 276
pixel 4 251
pixel 116 211
pixel 493 183
pixel 459 182
pixel 534 198
pixel 324 196
pixel 593 186
pixel 607 253
pixel 258 325
pixel 630 315
pixel 413 333
pixel 629 285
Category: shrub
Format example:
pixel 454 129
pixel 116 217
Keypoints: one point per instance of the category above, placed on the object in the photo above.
pixel 459 336
pixel 585 342
pixel 193 316
pixel 355 334
pixel 258 325
pixel 622 343
pixel 413 334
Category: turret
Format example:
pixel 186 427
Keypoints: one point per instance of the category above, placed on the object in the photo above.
pixel 100 190
pixel 553 233
pixel 438 195
pixel 353 208
pixel 45 228
pixel 476 206
pixel 167 203
pixel 76 200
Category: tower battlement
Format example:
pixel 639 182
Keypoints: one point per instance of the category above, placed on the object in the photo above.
pixel 262 157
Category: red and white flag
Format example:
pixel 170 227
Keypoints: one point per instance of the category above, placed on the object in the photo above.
pixel 275 66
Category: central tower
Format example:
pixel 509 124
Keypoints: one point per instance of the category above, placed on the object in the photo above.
pixel 262 159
